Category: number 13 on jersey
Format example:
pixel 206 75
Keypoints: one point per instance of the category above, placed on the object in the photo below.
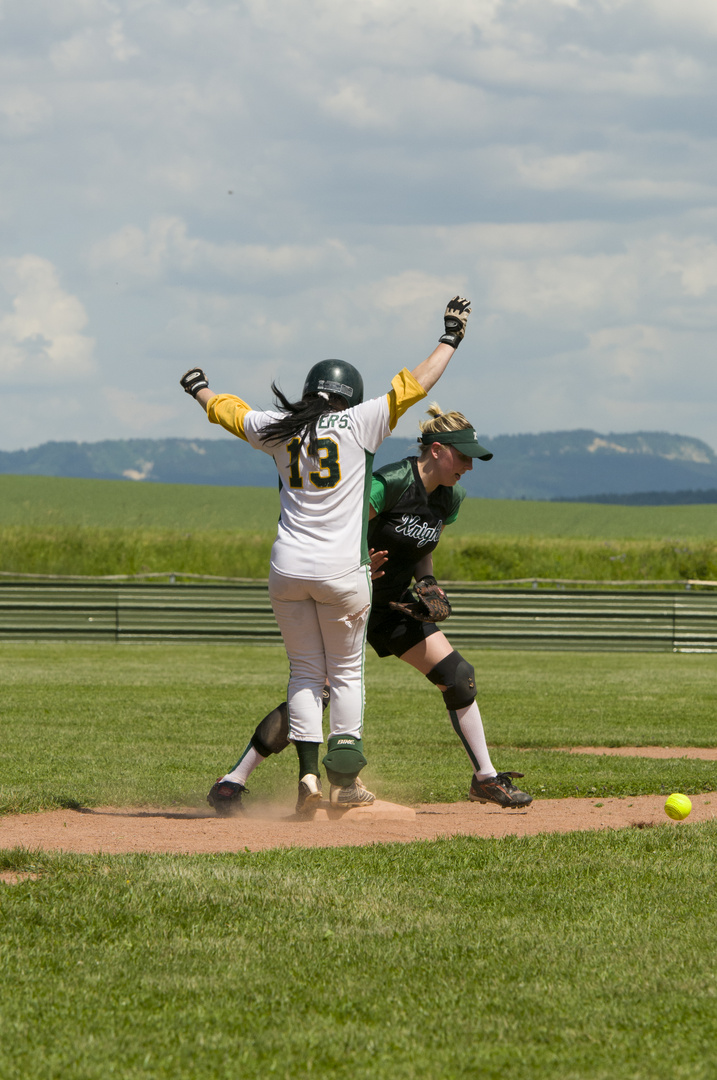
pixel 328 473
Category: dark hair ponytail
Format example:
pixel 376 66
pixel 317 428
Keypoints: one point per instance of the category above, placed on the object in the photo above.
pixel 301 418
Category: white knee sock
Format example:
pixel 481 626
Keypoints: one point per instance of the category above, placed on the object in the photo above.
pixel 468 726
pixel 245 766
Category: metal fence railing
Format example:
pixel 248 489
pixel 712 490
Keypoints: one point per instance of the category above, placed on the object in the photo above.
pixel 669 621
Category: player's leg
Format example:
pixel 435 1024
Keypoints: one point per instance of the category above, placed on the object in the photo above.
pixel 343 611
pixel 296 613
pixel 431 657
pixel 436 658
pixel 271 736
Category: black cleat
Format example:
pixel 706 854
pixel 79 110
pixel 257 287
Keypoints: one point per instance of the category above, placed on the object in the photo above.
pixel 499 789
pixel 225 798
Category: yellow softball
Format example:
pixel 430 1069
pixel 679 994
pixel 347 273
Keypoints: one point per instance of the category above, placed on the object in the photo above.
pixel 677 806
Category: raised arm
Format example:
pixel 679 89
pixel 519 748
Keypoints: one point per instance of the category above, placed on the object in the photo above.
pixel 195 383
pixel 430 370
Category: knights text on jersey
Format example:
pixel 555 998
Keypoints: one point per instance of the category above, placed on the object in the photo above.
pixel 408 523
pixel 324 500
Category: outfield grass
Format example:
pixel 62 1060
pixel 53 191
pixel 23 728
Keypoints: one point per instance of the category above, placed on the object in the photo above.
pixel 583 521
pixel 48 501
pixel 55 501
pixel 98 552
pixel 106 724
pixel 93 551
pixel 58 526
pixel 586 956
pixel 479 558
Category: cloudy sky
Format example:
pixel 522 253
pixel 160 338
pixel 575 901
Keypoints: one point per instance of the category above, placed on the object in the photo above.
pixel 253 185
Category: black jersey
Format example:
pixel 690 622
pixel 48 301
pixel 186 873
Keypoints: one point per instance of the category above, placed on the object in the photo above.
pixel 408 523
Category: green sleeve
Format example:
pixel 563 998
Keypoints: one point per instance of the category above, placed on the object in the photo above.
pixel 459 494
pixel 378 493
pixel 389 483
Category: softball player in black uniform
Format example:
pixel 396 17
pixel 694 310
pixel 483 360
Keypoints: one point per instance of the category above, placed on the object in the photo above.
pixel 411 502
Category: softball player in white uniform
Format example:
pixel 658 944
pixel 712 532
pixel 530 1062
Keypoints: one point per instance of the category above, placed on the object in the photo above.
pixel 319 581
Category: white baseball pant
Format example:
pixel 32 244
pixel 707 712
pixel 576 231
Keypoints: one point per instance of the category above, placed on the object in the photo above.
pixel 323 624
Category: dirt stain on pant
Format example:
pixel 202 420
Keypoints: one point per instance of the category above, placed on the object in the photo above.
pixel 358 616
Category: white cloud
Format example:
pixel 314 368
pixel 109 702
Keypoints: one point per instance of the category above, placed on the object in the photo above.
pixel 698 16
pixel 41 338
pixel 557 171
pixel 136 412
pixel 552 159
pixel 660 276
pixel 631 354
pixel 350 104
pixel 571 285
pixel 165 248
pixel 90 49
pixel 22 110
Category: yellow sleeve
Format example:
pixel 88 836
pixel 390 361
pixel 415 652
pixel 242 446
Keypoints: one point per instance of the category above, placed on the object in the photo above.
pixel 405 392
pixel 229 411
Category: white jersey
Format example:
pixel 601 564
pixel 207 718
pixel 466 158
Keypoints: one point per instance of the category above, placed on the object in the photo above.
pixel 324 500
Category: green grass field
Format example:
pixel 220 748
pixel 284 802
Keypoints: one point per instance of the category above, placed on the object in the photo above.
pixel 94 724
pixel 51 525
pixel 578 957
pixel 587 956
pixel 47 501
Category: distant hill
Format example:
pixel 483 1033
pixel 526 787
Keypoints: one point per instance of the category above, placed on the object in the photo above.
pixel 582 464
pixel 171 461
pixel 701 497
pixel 572 465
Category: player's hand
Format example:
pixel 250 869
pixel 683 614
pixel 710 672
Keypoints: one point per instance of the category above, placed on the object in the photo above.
pixel 428 604
pixel 193 381
pixel 455 320
pixel 378 558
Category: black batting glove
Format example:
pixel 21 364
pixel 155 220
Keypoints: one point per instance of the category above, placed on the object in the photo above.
pixel 455 320
pixel 193 381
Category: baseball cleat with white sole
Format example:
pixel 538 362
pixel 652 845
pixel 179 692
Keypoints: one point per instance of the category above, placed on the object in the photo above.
pixel 355 795
pixel 309 793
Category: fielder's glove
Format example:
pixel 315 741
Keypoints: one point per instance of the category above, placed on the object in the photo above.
pixel 455 320
pixel 428 602
pixel 193 381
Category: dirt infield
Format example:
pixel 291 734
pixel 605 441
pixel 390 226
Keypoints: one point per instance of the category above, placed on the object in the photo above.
pixel 127 829
pixel 190 830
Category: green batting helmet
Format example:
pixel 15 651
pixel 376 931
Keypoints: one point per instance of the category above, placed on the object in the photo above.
pixel 335 377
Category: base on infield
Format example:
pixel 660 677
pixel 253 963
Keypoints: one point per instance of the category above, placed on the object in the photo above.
pixel 380 810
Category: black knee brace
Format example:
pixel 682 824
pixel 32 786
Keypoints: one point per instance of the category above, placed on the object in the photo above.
pixel 458 677
pixel 272 733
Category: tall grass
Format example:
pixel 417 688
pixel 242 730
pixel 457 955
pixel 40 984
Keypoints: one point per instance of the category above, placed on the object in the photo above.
pixel 41 501
pixel 53 525
pixel 97 551
pixel 477 559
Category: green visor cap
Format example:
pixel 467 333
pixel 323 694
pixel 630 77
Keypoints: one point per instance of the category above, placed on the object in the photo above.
pixel 465 441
